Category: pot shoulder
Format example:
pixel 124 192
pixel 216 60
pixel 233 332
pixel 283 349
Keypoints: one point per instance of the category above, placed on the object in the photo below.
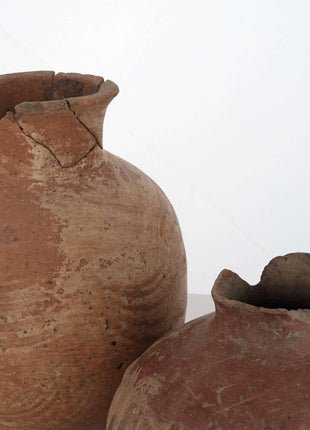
pixel 197 378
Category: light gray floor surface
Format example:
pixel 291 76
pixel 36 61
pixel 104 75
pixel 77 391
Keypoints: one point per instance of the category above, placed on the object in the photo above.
pixel 198 305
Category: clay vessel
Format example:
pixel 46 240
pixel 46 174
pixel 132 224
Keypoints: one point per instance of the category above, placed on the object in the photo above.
pixel 92 263
pixel 244 367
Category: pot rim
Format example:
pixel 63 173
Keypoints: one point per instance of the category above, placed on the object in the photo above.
pixel 99 90
pixel 229 285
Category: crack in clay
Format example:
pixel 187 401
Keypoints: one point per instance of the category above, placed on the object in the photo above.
pixel 51 152
pixel 99 85
pixel 78 161
pixel 82 123
pixel 78 119
pixel 34 140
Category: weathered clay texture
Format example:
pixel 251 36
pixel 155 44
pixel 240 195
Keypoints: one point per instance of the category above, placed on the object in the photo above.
pixel 92 263
pixel 244 367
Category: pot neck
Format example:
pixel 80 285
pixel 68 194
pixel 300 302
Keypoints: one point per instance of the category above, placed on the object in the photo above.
pixel 274 313
pixel 63 111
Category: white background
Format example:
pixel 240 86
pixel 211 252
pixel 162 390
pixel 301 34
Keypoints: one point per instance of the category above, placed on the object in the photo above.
pixel 214 105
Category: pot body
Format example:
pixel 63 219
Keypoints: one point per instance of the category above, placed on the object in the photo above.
pixel 92 261
pixel 244 367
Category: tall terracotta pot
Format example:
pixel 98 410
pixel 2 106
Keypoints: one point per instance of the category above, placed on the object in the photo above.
pixel 92 263
pixel 244 367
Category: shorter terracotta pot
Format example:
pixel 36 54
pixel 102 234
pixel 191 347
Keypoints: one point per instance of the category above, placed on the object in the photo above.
pixel 246 366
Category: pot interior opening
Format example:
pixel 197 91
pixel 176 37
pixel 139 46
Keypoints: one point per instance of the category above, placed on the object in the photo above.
pixel 284 302
pixel 17 88
pixel 272 296
pixel 284 284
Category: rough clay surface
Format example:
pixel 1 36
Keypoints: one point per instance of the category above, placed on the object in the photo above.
pixel 244 367
pixel 92 261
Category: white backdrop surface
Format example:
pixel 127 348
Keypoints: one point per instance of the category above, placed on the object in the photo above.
pixel 214 105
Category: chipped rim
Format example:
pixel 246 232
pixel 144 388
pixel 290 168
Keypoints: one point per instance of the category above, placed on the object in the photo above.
pixel 106 91
pixel 227 281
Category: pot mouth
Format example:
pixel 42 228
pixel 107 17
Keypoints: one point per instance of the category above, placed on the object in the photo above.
pixel 284 288
pixel 41 91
